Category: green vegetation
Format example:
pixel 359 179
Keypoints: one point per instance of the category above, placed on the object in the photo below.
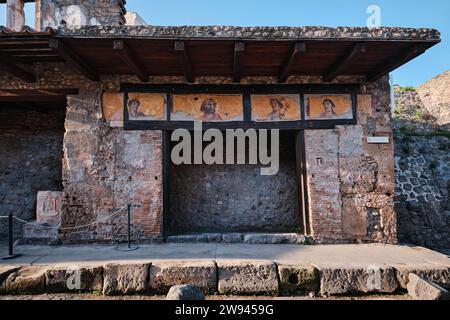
pixel 406 89
pixel 408 131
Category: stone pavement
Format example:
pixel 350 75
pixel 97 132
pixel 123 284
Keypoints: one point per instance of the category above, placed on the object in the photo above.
pixel 233 269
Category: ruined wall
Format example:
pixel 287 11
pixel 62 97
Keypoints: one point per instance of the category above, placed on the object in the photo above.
pixel 105 169
pixel 422 170
pixel 422 202
pixel 350 181
pixel 226 198
pixel 81 13
pixel 31 152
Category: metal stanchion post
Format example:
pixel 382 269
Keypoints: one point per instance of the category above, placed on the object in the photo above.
pixel 129 247
pixel 129 226
pixel 11 254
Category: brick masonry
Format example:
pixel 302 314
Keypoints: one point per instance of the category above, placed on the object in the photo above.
pixel 105 167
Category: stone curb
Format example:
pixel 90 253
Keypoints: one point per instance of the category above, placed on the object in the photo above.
pixel 224 277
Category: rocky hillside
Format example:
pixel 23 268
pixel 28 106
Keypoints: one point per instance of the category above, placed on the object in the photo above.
pixel 422 163
pixel 435 96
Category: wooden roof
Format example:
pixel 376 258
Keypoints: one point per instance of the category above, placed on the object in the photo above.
pixel 218 51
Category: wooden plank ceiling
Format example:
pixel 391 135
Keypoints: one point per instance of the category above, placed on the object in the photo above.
pixel 198 57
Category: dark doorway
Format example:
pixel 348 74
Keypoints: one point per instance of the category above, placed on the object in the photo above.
pixel 235 198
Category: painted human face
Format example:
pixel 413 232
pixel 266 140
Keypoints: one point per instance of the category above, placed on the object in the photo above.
pixel 276 105
pixel 133 108
pixel 209 107
pixel 328 106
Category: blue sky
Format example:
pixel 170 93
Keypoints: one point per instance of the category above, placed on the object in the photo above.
pixel 402 13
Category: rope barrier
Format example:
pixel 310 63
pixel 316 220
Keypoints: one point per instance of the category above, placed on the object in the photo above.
pixel 76 227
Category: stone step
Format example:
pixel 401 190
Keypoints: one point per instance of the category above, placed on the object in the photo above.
pixel 247 238
pixel 235 277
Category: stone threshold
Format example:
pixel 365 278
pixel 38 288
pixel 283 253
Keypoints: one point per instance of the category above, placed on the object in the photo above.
pixel 224 277
pixel 246 238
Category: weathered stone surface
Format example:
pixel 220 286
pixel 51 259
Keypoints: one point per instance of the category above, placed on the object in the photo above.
pixel 438 275
pixel 48 208
pixel 421 289
pixel 200 274
pixel 69 279
pixel 183 239
pixel 185 292
pixel 232 238
pixel 81 13
pixel 313 32
pixel 37 231
pixel 335 280
pixel 275 238
pixel 30 159
pixel 125 278
pixel 27 280
pixel 227 198
pixel 6 271
pixel 298 279
pixel 247 278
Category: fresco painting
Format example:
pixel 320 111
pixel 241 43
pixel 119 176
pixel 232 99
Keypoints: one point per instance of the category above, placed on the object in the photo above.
pixel 147 106
pixel 207 107
pixel 112 108
pixel 324 107
pixel 275 107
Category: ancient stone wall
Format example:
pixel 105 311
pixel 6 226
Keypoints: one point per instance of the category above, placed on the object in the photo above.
pixel 422 158
pixel 104 170
pixel 422 166
pixel 350 181
pixel 228 198
pixel 31 152
pixel 76 13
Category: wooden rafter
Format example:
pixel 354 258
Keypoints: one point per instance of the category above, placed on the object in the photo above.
pixel 130 59
pixel 396 61
pixel 185 62
pixel 343 62
pixel 297 49
pixel 73 59
pixel 239 48
pixel 9 65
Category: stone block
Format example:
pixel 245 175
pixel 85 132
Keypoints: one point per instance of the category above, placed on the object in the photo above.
pixel 183 239
pixel 185 293
pixel 338 280
pixel 248 278
pixel 200 274
pixel 48 207
pixel 37 231
pixel 421 289
pixel 298 279
pixel 74 278
pixel 438 275
pixel 232 238
pixel 27 280
pixel 282 238
pixel 125 278
pixel 6 271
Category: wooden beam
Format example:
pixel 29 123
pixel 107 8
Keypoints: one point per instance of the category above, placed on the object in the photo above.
pixel 343 62
pixel 239 48
pixel 185 62
pixel 396 61
pixel 73 59
pixel 9 65
pixel 129 58
pixel 298 48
